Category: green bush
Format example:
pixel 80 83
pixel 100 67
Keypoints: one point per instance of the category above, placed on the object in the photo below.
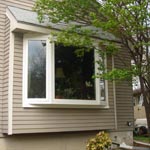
pixel 101 141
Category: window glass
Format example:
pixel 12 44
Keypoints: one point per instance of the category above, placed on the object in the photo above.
pixel 36 69
pixel 73 74
pixel 102 88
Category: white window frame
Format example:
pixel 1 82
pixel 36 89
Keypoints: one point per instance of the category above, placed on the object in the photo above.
pixel 50 100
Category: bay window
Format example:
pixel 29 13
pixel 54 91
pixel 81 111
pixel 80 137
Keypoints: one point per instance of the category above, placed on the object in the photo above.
pixel 54 75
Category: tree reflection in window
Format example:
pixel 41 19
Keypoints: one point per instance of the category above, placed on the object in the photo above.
pixel 36 69
pixel 73 74
pixel 102 88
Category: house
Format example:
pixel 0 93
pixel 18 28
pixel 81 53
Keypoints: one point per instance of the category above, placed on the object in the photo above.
pixel 139 109
pixel 35 113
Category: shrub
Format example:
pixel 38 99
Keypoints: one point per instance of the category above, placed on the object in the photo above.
pixel 100 142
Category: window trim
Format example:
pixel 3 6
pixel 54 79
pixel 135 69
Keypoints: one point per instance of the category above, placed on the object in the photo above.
pixel 27 100
pixel 50 100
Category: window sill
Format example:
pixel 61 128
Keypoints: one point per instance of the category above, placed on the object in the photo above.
pixel 65 105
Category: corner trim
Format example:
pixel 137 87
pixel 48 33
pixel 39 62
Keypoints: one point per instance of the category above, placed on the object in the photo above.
pixel 10 83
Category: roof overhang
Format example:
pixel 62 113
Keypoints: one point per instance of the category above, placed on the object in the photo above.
pixel 25 21
pixel 18 25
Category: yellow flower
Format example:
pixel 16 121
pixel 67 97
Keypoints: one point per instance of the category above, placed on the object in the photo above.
pixel 100 142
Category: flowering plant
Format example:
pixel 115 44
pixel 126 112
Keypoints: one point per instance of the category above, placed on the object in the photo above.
pixel 100 142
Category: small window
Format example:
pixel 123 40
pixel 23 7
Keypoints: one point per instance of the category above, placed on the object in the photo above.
pixel 54 75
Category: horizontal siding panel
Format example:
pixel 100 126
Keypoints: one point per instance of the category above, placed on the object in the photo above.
pixel 18 92
pixel 126 102
pixel 18 75
pixel 63 121
pixel 41 117
pixel 67 111
pixel 60 125
pixel 18 59
pixel 18 55
pixel 58 111
pixel 5 97
pixel 16 3
pixel 61 129
pixel 124 98
pixel 5 85
pixel 17 88
pixel 17 66
pixel 17 84
pixel 124 122
pixel 17 79
pixel 5 92
pixel 121 107
pixel 28 3
pixel 6 66
pixel 18 46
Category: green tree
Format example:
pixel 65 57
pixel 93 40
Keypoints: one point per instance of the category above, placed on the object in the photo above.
pixel 128 21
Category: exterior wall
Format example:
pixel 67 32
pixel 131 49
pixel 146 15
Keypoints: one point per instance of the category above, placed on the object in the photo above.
pixel 124 99
pixel 139 112
pixel 3 93
pixel 27 120
pixel 4 57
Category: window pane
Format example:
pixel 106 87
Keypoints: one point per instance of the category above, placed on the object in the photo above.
pixel 73 74
pixel 102 88
pixel 36 69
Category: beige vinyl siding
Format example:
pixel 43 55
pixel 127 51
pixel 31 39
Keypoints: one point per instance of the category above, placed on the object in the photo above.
pixel 4 57
pixel 30 120
pixel 2 35
pixel 6 74
pixel 25 4
pixel 1 72
pixel 124 96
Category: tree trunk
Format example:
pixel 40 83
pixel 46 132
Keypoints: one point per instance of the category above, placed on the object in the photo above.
pixel 147 111
pixel 146 96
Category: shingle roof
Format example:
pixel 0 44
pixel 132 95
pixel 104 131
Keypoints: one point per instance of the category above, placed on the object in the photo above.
pixel 31 17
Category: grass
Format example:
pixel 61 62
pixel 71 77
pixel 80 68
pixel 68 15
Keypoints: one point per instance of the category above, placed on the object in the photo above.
pixel 142 139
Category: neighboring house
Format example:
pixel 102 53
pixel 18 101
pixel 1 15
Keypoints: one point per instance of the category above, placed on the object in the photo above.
pixel 139 109
pixel 47 100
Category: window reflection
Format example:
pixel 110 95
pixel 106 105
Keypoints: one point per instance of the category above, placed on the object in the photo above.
pixel 73 75
pixel 102 88
pixel 36 69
